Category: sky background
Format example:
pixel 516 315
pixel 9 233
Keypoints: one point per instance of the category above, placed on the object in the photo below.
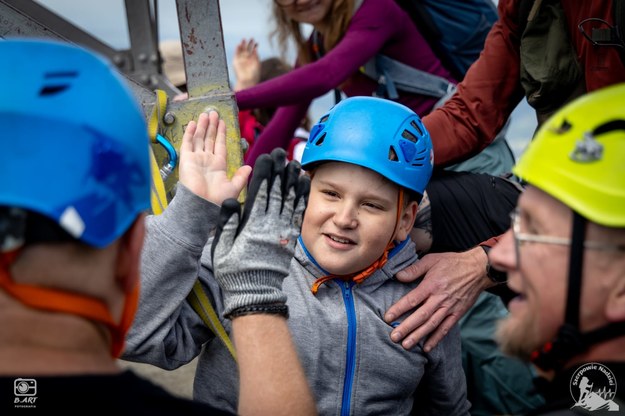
pixel 240 19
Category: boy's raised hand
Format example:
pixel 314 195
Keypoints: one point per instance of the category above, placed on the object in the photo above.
pixel 203 161
pixel 252 250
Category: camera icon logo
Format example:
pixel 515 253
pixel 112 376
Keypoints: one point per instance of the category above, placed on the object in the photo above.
pixel 25 386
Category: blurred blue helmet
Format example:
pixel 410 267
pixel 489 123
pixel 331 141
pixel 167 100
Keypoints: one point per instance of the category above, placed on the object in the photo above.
pixel 74 141
pixel 379 134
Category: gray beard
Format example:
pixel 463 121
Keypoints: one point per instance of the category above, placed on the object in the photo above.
pixel 515 339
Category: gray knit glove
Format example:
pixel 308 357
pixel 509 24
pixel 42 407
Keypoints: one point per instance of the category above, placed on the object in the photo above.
pixel 252 251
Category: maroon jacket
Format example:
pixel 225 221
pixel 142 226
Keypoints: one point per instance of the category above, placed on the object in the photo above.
pixel 491 89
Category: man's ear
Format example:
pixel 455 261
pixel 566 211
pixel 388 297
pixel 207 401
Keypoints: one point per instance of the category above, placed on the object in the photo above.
pixel 615 306
pixel 129 255
pixel 406 221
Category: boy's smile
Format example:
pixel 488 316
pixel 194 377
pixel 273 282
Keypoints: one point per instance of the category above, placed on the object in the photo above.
pixel 350 217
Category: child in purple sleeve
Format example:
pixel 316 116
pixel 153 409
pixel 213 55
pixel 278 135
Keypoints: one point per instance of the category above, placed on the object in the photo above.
pixel 351 32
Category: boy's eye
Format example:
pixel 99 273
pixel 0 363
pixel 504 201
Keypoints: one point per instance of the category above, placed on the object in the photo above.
pixel 372 205
pixel 330 193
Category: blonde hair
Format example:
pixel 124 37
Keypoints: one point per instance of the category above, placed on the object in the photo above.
pixel 335 24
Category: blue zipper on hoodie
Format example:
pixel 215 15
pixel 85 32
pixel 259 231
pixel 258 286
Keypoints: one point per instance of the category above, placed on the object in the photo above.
pixel 350 361
pixel 348 300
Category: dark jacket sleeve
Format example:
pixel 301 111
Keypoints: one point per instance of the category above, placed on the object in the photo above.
pixel 443 389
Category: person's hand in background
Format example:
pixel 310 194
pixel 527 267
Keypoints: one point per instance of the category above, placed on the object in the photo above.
pixel 246 64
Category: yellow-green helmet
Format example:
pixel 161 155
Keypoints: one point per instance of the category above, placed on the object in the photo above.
pixel 578 156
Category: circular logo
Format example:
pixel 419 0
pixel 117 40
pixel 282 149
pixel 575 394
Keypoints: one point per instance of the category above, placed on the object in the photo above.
pixel 593 387
pixel 22 387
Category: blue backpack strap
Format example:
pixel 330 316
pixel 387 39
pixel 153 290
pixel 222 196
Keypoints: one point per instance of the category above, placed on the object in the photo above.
pixel 454 29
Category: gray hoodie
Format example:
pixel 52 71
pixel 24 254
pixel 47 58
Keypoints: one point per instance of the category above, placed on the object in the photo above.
pixel 341 336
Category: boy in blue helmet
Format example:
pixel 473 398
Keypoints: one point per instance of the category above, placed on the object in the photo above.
pixel 75 173
pixel 370 160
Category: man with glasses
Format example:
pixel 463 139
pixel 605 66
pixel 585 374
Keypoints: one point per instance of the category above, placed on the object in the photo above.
pixel 585 40
pixel 565 256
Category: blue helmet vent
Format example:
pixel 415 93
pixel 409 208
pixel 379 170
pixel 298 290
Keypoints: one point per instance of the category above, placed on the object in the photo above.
pixel 314 132
pixel 52 89
pixel 392 154
pixel 421 159
pixel 409 136
pixel 418 128
pixel 321 139
pixel 58 82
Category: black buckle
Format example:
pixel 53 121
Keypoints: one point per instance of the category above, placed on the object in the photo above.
pixel 601 36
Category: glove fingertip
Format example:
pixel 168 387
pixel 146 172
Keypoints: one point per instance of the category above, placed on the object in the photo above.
pixel 303 189
pixel 263 169
pixel 229 208
pixel 292 174
pixel 278 155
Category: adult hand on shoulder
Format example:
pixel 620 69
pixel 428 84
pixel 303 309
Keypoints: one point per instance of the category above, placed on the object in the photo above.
pixel 451 284
pixel 203 161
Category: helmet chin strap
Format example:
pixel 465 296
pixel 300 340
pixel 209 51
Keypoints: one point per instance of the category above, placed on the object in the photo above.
pixel 569 340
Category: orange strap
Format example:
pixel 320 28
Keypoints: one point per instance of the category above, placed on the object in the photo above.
pixel 51 299
pixel 319 282
pixel 357 277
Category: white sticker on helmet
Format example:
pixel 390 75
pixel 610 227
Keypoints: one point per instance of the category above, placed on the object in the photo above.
pixel 72 223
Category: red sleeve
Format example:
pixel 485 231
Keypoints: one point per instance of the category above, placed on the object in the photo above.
pixel 486 97
pixel 247 126
pixel 278 132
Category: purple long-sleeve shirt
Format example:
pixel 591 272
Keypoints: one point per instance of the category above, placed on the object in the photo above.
pixel 378 26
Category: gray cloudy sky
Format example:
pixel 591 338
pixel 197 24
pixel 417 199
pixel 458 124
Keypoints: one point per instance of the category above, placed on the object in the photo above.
pixel 107 21
pixel 240 19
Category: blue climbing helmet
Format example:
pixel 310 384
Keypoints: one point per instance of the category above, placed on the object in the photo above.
pixel 74 142
pixel 379 134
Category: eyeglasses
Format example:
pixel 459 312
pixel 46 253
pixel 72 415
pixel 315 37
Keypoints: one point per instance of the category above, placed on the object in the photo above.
pixel 520 238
